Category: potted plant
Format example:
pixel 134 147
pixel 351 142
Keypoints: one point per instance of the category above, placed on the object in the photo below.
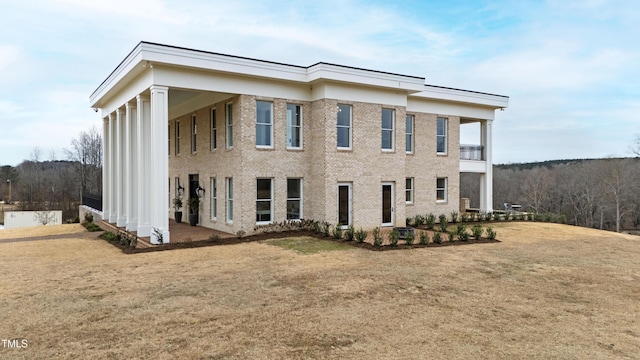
pixel 194 206
pixel 177 205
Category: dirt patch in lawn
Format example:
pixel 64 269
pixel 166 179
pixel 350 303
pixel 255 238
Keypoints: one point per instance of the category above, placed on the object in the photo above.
pixel 546 290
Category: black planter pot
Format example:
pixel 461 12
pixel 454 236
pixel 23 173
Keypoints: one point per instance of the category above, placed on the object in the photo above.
pixel 178 216
pixel 193 219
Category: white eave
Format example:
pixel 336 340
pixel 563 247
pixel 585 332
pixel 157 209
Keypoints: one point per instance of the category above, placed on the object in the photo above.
pixel 432 92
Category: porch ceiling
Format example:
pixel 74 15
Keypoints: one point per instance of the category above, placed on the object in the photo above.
pixel 183 101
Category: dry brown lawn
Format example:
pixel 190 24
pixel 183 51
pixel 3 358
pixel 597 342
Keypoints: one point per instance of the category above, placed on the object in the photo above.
pixel 546 291
pixel 34 231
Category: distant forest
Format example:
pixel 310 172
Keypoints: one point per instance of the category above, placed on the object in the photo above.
pixel 596 193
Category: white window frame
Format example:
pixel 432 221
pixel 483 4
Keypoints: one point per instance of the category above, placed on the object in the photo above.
pixel 443 136
pixel 409 134
pixel 213 210
pixel 194 133
pixel 268 124
pixel 298 199
pixel 229 125
pixel 443 189
pixel 214 130
pixel 343 107
pixel 409 190
pixel 291 127
pixel 350 196
pixel 391 130
pixel 229 196
pixel 264 200
pixel 177 131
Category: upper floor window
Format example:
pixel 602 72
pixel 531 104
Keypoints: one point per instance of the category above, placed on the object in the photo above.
pixel 441 189
pixel 344 126
pixel 214 130
pixel 294 126
pixel 194 130
pixel 264 124
pixel 387 129
pixel 177 137
pixel 441 136
pixel 409 134
pixel 229 125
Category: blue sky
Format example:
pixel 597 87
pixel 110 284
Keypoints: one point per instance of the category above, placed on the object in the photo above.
pixel 571 68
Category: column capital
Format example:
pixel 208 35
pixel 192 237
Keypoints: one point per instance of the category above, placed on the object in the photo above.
pixel 158 88
pixel 130 105
pixel 142 97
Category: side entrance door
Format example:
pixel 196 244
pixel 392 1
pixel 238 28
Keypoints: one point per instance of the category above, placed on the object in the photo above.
pixel 387 204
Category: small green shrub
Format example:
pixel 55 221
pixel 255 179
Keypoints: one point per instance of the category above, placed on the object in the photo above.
pixel 377 238
pixel 361 235
pixel 91 226
pixel 214 237
pixel 88 217
pixel 464 218
pixel 430 221
pixel 437 237
pixel 418 220
pixel 491 234
pixel 109 236
pixel 326 229
pixel 424 238
pixel 337 232
pixel 409 238
pixel 315 227
pixel 461 233
pixel 393 237
pixel 350 234
pixel 454 217
pixel 409 221
pixel 444 223
pixel 476 230
pixel 562 219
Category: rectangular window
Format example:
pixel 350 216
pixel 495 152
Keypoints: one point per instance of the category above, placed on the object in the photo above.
pixel 344 126
pixel 177 185
pixel 441 190
pixel 169 140
pixel 409 134
pixel 194 130
pixel 214 130
pixel 409 191
pixel 294 126
pixel 214 199
pixel 344 204
pixel 294 199
pixel 264 124
pixel 442 136
pixel 264 201
pixel 177 137
pixel 387 129
pixel 229 189
pixel 229 125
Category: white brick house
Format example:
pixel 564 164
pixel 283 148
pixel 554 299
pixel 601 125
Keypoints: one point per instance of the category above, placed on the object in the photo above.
pixel 269 141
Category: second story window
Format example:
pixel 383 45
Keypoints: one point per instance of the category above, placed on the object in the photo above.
pixel 387 129
pixel 194 131
pixel 264 124
pixel 344 126
pixel 409 134
pixel 441 136
pixel 294 126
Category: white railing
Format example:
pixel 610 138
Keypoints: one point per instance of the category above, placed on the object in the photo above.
pixel 472 152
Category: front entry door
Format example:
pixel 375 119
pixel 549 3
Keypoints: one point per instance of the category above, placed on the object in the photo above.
pixel 387 204
pixel 194 183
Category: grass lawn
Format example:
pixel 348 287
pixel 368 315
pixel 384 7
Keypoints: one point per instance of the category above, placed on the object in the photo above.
pixel 545 291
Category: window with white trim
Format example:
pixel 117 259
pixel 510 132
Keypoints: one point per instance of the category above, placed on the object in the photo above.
pixel 294 199
pixel 344 127
pixel 441 136
pixel 387 129
pixel 409 134
pixel 169 140
pixel 264 124
pixel 264 201
pixel 177 130
pixel 214 199
pixel 194 131
pixel 441 189
pixel 214 130
pixel 229 190
pixel 294 126
pixel 229 125
pixel 409 191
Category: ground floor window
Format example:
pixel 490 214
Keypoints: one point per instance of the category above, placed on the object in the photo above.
pixel 294 199
pixel 344 204
pixel 229 186
pixel 264 200
pixel 214 199
pixel 409 191
pixel 441 189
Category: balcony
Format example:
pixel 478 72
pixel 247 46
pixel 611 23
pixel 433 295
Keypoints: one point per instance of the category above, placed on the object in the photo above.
pixel 472 152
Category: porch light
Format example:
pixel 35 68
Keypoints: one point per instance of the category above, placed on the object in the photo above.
pixel 200 191
pixel 180 190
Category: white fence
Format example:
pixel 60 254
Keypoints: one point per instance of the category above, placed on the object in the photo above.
pixel 18 219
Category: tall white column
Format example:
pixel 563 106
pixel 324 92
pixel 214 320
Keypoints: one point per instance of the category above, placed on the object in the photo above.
pixel 113 189
pixel 106 169
pixel 121 168
pixel 159 163
pixel 130 168
pixel 143 159
pixel 486 179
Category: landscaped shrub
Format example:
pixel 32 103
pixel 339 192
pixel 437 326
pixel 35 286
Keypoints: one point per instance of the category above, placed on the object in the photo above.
pixel 476 230
pixel 444 223
pixel 424 238
pixel 437 237
pixel 337 232
pixel 91 226
pixel 88 217
pixel 361 235
pixel 418 220
pixel 454 217
pixel 350 234
pixel 393 237
pixel 326 229
pixel 461 233
pixel 316 227
pixel 430 220
pixel 409 237
pixel 409 221
pixel 491 234
pixel 464 218
pixel 377 238
pixel 109 236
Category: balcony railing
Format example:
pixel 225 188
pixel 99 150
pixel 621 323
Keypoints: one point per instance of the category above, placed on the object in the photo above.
pixel 472 152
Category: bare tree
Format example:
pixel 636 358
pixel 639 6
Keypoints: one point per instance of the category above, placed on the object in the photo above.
pixel 635 147
pixel 536 189
pixel 615 179
pixel 86 151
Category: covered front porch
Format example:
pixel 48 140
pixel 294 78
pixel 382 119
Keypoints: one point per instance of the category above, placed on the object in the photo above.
pixel 477 158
